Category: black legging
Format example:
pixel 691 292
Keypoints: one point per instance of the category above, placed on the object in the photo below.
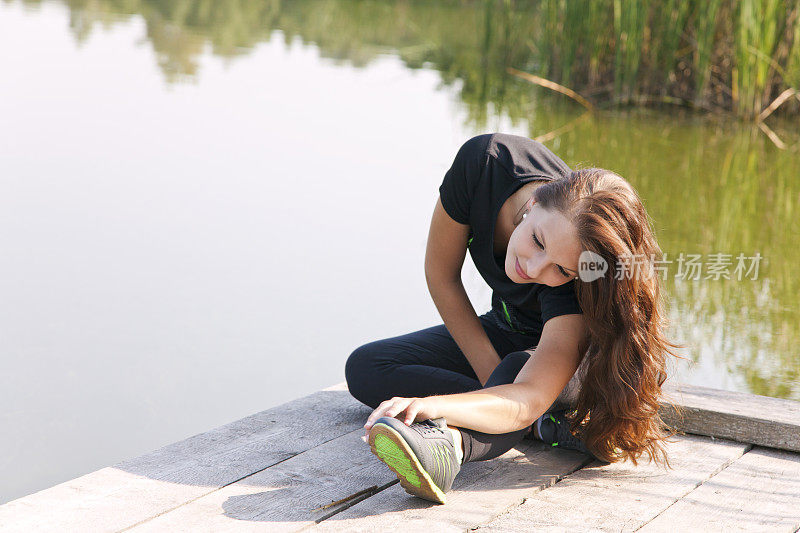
pixel 429 362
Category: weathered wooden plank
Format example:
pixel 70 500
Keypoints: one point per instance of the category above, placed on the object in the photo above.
pixel 758 492
pixel 168 479
pixel 285 497
pixel 620 496
pixel 116 497
pixel 481 491
pixel 760 420
pixel 288 496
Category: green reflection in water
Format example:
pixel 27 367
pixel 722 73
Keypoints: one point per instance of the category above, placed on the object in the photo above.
pixel 714 187
pixel 710 185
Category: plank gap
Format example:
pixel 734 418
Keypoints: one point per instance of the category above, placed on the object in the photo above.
pixel 351 503
pixel 356 500
pixel 557 479
pixel 722 467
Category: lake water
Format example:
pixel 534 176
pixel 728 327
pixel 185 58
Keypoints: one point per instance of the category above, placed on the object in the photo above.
pixel 200 218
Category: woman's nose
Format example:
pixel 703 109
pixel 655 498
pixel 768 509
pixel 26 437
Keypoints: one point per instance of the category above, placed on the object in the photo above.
pixel 534 267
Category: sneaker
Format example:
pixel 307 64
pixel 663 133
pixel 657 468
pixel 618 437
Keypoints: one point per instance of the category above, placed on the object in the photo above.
pixel 422 455
pixel 556 432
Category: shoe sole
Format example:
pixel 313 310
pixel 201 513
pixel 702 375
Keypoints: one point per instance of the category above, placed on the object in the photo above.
pixel 391 448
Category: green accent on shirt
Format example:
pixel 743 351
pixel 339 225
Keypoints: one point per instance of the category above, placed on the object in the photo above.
pixel 508 317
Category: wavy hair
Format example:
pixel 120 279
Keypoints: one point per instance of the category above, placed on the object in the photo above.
pixel 617 409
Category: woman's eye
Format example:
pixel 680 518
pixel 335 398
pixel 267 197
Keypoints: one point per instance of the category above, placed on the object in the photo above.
pixel 560 270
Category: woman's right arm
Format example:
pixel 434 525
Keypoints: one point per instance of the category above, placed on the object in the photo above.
pixel 444 257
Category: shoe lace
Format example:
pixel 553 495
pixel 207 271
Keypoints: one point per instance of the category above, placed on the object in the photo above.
pixel 427 427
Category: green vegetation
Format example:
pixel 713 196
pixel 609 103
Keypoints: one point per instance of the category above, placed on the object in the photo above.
pixel 713 54
pixel 720 55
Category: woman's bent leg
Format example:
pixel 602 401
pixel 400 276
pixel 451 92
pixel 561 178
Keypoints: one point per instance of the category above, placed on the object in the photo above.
pixel 418 364
pixel 483 446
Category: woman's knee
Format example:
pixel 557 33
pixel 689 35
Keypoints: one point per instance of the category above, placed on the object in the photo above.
pixel 516 359
pixel 506 372
pixel 360 371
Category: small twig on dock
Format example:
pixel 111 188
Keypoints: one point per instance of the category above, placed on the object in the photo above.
pixel 553 86
pixel 373 488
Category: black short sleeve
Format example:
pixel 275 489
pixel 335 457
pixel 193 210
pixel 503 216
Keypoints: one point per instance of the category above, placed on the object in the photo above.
pixel 459 183
pixel 556 301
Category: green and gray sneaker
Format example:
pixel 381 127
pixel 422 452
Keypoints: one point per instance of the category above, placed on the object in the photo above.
pixel 554 429
pixel 422 455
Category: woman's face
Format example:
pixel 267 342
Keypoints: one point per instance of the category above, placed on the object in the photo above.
pixel 544 246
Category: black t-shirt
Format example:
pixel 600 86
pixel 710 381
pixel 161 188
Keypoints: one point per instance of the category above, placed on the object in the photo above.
pixel 486 171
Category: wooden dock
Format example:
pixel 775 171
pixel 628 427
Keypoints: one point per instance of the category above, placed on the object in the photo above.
pixel 280 470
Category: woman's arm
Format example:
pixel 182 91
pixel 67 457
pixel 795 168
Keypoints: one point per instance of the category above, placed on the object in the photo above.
pixel 517 405
pixel 506 408
pixel 444 257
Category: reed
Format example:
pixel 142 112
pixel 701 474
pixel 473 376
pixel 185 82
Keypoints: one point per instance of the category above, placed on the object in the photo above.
pixel 736 55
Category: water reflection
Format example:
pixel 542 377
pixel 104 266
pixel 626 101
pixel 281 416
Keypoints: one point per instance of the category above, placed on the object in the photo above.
pixel 711 185
pixel 715 186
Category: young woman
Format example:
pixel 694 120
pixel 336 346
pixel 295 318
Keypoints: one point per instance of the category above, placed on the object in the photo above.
pixel 574 361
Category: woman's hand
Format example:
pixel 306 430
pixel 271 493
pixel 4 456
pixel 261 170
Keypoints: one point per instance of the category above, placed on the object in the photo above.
pixel 409 410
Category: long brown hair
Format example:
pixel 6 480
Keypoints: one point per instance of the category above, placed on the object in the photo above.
pixel 617 410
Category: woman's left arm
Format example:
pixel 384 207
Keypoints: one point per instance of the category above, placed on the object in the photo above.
pixel 511 407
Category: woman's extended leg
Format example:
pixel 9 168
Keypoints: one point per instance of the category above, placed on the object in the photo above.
pixel 483 446
pixel 422 363
pixel 555 427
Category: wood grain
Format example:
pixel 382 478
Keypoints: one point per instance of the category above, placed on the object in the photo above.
pixel 286 497
pixel 750 418
pixel 620 496
pixel 481 491
pixel 277 470
pixel 758 492
pixel 117 497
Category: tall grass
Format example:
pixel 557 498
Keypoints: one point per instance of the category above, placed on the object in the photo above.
pixel 735 55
